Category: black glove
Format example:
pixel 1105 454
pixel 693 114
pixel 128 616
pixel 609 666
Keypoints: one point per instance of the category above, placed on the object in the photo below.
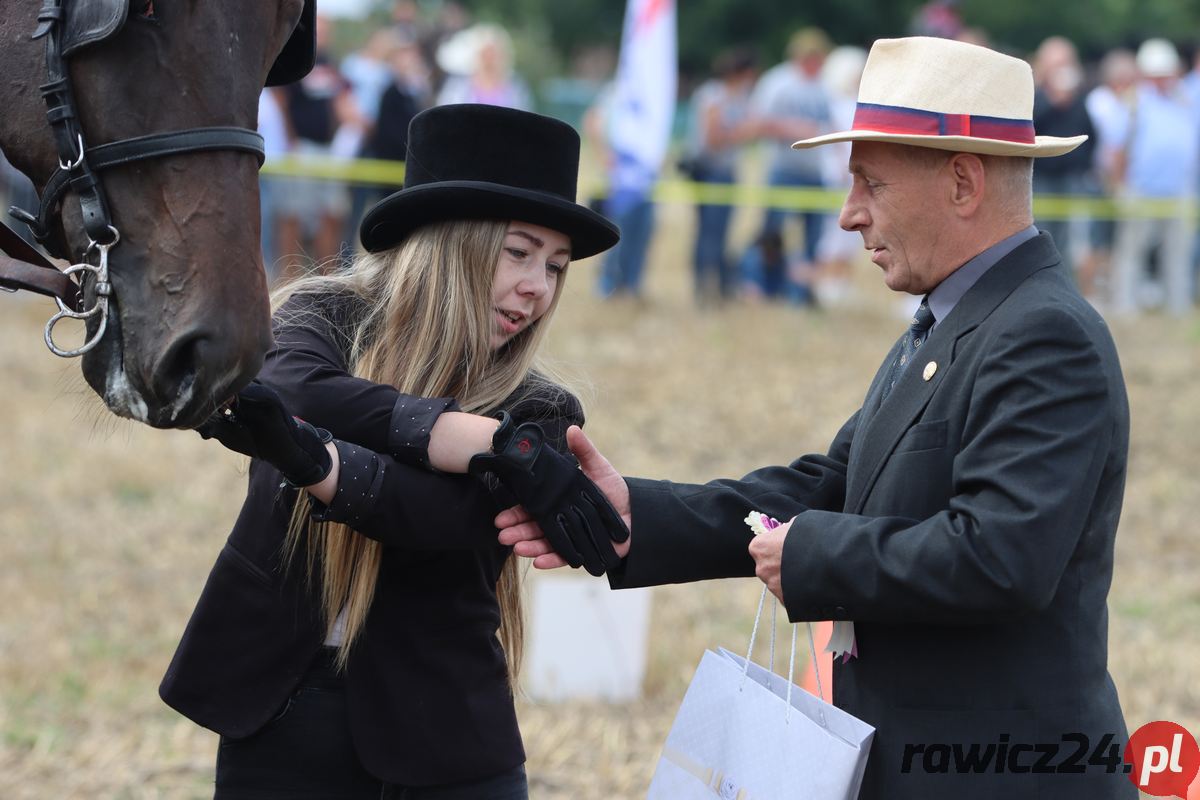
pixel 257 425
pixel 575 516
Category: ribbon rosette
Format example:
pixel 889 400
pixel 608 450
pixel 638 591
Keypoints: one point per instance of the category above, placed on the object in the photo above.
pixel 761 523
pixel 841 641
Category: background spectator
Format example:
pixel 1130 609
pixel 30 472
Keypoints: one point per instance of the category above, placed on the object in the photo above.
pixel 719 125
pixel 1110 107
pixel 368 70
pixel 791 103
pixel 312 211
pixel 1060 109
pixel 837 249
pixel 478 63
pixel 763 268
pixel 1161 153
pixel 272 126
pixel 452 18
pixel 624 265
pixel 1191 85
pixel 938 18
pixel 407 21
pixel 406 93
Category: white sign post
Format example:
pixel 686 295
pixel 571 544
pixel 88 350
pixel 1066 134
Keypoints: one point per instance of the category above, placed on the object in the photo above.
pixel 585 641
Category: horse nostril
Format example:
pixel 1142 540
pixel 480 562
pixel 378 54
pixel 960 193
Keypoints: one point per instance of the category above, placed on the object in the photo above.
pixel 197 372
pixel 175 374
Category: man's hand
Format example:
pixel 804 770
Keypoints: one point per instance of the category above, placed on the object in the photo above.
pixel 570 509
pixel 520 529
pixel 767 551
pixel 257 425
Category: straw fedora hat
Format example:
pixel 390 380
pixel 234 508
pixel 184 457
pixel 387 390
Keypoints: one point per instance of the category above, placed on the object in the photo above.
pixel 468 161
pixel 947 95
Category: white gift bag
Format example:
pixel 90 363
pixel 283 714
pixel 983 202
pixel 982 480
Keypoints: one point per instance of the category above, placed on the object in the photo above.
pixel 744 733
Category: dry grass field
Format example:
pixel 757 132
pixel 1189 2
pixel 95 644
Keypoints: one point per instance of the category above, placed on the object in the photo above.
pixel 108 529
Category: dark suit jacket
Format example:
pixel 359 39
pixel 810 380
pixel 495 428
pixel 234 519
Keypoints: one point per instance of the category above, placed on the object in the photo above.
pixel 966 526
pixel 426 685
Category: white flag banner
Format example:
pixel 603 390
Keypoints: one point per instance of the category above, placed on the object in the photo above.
pixel 643 102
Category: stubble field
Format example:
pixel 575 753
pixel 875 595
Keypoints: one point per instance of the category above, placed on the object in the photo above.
pixel 108 529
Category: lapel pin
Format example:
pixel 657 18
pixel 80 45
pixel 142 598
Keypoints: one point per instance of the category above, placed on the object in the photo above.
pixel 930 369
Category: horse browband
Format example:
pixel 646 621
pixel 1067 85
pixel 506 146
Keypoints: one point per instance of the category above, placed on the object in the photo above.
pixel 78 163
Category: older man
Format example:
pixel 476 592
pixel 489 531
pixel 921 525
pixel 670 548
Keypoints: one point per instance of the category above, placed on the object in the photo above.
pixel 964 516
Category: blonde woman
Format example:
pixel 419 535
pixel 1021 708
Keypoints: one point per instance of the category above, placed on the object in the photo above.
pixel 359 637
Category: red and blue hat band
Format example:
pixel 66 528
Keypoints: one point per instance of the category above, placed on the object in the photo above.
pixel 915 122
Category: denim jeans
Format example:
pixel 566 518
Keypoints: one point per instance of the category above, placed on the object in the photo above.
pixel 623 265
pixel 307 752
pixel 709 259
pixel 813 221
pixel 770 277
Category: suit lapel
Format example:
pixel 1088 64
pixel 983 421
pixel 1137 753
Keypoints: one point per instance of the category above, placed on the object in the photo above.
pixel 892 419
pixel 875 391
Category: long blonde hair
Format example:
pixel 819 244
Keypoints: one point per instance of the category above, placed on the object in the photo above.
pixel 425 327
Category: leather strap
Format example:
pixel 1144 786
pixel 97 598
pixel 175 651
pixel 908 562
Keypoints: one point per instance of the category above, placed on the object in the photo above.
pixel 155 145
pixel 16 275
pixel 23 267
pixel 78 163
pixel 64 123
pixel 65 28
pixel 191 140
pixel 14 245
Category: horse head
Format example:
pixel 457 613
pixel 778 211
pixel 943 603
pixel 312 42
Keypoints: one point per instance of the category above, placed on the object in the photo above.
pixel 189 316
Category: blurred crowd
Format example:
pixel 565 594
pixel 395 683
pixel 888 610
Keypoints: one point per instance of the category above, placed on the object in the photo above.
pixel 1139 106
pixel 360 107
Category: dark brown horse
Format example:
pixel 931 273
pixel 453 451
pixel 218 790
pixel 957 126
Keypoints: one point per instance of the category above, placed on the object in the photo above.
pixel 189 320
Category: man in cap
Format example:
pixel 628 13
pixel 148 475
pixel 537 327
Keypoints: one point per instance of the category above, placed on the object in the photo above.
pixel 963 519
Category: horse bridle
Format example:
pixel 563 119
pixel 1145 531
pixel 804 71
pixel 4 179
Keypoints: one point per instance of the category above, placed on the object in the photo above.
pixel 79 164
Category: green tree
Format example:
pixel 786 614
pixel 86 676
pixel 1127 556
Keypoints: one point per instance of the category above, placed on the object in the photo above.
pixel 708 26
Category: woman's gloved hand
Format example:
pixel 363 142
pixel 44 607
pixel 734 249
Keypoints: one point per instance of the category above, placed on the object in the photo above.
pixel 575 516
pixel 257 425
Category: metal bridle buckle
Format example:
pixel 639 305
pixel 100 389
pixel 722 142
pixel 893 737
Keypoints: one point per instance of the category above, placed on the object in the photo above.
pixel 72 165
pixel 103 292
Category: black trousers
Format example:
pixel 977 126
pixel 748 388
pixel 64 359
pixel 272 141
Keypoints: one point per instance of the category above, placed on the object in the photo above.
pixel 306 753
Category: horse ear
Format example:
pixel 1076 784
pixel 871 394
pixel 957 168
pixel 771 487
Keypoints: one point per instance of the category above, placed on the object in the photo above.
pixel 296 58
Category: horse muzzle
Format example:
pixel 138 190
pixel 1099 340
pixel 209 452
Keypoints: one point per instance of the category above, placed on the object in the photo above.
pixel 169 381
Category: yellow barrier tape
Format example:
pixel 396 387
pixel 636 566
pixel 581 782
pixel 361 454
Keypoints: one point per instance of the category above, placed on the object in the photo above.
pixel 365 171
pixel 350 170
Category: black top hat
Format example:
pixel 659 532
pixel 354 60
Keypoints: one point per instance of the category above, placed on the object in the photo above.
pixel 470 161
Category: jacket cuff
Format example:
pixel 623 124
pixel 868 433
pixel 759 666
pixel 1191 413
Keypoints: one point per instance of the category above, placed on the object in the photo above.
pixel 360 480
pixel 411 423
pixel 797 572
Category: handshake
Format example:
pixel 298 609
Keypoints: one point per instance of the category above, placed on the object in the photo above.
pixel 575 516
